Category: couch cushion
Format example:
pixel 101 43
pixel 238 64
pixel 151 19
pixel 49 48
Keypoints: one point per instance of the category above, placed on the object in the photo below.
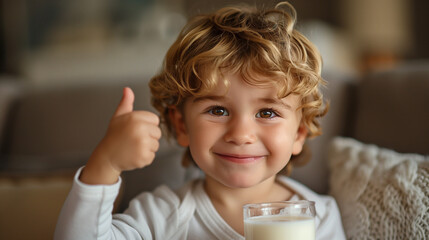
pixel 382 194
pixel 30 205
pixel 68 119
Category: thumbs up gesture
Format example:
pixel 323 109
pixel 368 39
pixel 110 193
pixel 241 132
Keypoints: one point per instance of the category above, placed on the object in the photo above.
pixel 131 142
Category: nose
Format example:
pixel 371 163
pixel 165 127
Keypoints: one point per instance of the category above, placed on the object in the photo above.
pixel 241 131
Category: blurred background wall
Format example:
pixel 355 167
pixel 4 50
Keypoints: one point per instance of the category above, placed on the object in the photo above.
pixel 74 41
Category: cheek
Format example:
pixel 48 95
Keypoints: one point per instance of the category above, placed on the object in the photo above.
pixel 202 135
pixel 278 140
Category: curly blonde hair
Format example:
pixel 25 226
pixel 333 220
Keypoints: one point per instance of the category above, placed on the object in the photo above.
pixel 245 40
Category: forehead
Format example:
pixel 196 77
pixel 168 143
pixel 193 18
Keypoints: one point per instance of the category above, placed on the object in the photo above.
pixel 222 81
pixel 230 85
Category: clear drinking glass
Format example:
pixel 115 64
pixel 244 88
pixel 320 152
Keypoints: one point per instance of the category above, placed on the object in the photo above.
pixel 288 220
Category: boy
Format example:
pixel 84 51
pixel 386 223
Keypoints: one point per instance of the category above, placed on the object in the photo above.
pixel 239 90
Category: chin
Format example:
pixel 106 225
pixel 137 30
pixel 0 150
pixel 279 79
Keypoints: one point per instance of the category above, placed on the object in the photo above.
pixel 241 182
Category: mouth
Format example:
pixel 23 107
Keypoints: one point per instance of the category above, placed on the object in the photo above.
pixel 241 159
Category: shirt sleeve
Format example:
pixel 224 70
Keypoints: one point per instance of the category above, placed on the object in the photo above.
pixel 87 212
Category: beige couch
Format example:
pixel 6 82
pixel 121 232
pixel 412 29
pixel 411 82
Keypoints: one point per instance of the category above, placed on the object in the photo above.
pixel 47 133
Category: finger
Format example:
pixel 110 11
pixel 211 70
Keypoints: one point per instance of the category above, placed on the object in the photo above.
pixel 148 117
pixel 154 146
pixel 156 133
pixel 126 104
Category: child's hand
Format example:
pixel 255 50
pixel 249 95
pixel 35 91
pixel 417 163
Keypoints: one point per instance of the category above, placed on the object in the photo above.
pixel 130 142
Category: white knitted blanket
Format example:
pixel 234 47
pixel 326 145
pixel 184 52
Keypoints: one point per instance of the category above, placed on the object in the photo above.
pixel 382 194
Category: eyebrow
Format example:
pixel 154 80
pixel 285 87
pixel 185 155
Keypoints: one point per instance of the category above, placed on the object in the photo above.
pixel 209 97
pixel 265 100
pixel 277 102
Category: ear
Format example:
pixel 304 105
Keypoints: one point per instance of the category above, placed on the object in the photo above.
pixel 301 136
pixel 178 121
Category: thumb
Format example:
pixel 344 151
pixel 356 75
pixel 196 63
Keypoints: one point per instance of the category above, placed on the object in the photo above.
pixel 126 104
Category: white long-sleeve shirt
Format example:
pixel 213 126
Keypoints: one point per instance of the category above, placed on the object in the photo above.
pixel 167 214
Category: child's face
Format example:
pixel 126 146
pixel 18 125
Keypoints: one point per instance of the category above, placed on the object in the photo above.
pixel 243 134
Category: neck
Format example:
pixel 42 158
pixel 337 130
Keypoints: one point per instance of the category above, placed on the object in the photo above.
pixel 267 191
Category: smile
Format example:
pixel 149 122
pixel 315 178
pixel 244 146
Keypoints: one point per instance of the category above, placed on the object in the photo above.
pixel 242 159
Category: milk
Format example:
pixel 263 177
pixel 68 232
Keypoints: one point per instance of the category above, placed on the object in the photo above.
pixel 279 228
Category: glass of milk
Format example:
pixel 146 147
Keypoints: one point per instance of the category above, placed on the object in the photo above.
pixel 287 220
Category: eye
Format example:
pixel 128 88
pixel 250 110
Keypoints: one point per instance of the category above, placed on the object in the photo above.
pixel 218 111
pixel 267 113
